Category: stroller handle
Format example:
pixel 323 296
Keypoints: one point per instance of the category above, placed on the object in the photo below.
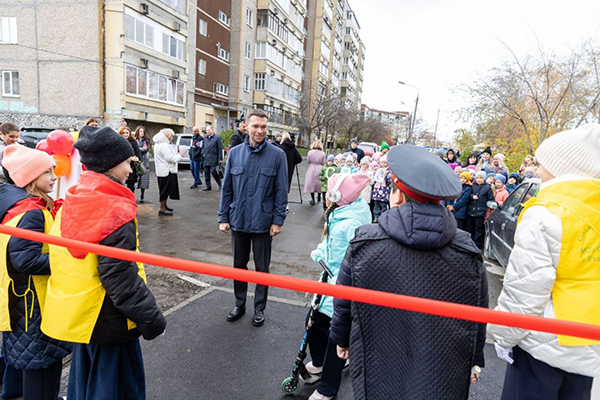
pixel 326 268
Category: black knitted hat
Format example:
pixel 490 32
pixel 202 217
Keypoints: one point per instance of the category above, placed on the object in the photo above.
pixel 487 150
pixel 101 149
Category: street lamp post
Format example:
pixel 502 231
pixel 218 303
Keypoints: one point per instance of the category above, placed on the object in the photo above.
pixel 414 118
pixel 436 123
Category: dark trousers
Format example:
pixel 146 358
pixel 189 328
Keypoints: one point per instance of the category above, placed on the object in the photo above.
pixel 261 247
pixel 531 379
pixel 12 379
pixel 195 169
pixel 107 372
pixel 461 223
pixel 379 207
pixel 324 354
pixel 475 226
pixel 42 384
pixel 324 200
pixel 211 170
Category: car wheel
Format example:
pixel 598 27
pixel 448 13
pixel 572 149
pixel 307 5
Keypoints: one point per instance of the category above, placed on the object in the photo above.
pixel 487 246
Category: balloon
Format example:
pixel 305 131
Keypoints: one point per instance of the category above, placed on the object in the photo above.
pixel 63 165
pixel 43 146
pixel 60 142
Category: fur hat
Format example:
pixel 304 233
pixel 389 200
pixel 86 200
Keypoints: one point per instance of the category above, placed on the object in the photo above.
pixel 351 187
pixel 25 165
pixel 101 149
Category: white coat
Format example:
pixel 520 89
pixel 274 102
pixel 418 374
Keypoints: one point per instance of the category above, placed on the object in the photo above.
pixel 165 156
pixel 528 285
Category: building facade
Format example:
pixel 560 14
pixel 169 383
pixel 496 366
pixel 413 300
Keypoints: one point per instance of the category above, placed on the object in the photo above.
pixel 398 121
pixel 353 61
pixel 50 77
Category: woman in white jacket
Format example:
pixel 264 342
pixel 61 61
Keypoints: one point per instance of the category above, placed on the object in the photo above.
pixel 166 159
pixel 551 274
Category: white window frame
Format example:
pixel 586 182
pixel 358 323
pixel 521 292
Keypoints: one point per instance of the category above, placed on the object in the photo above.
pixel 223 54
pixel 8 30
pixel 246 83
pixel 248 53
pixel 249 17
pixel 224 18
pixel 171 84
pixel 222 89
pixel 260 81
pixel 202 27
pixel 202 66
pixel 11 74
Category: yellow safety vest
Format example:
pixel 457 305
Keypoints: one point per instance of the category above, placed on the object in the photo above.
pixel 75 293
pixel 7 284
pixel 576 292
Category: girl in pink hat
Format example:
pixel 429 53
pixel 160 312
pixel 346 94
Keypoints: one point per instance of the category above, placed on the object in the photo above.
pixel 346 211
pixel 24 272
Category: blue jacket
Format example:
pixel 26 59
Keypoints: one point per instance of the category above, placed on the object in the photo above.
pixel 460 204
pixel 255 187
pixel 343 221
pixel 212 150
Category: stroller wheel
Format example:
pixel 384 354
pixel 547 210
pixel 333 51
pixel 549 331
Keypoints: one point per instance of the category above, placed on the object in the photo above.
pixel 288 386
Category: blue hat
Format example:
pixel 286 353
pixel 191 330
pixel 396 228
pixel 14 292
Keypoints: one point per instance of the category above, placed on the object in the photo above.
pixel 490 175
pixel 528 176
pixel 422 174
pixel 504 174
pixel 516 176
pixel 501 178
pixel 330 157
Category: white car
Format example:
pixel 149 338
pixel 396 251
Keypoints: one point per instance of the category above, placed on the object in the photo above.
pixel 182 142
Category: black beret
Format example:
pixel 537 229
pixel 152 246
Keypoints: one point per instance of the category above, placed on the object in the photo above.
pixel 101 149
pixel 423 173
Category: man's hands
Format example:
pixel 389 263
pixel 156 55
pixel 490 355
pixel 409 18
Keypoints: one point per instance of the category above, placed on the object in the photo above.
pixel 224 227
pixel 275 230
pixel 475 374
pixel 343 352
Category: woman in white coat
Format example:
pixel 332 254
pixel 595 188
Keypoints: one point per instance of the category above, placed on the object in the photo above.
pixel 551 274
pixel 166 160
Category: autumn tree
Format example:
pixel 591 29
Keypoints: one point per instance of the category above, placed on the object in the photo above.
pixel 318 114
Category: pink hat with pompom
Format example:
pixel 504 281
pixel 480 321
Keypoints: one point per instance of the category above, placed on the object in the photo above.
pixel 350 188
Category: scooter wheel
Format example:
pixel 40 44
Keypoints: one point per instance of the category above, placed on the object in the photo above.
pixel 289 387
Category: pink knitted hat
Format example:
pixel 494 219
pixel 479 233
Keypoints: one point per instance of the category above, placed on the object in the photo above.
pixel 25 165
pixel 350 188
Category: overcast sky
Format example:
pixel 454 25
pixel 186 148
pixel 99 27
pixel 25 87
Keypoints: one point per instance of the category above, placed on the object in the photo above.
pixel 437 45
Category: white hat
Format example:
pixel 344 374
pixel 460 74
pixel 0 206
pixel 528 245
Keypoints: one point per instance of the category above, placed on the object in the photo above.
pixel 500 156
pixel 576 151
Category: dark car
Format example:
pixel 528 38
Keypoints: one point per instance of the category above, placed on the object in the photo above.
pixel 33 135
pixel 502 223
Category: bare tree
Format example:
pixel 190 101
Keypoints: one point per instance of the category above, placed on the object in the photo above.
pixel 317 114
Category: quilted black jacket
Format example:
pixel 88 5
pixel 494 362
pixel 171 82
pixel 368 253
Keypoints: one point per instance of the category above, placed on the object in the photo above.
pixel 29 349
pixel 127 296
pixel 415 250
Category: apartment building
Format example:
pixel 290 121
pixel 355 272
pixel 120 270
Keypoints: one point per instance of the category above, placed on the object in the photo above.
pixel 353 61
pixel 50 76
pixel 278 60
pixel 398 121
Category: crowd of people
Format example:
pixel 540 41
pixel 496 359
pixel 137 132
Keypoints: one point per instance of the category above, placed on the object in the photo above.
pixel 97 307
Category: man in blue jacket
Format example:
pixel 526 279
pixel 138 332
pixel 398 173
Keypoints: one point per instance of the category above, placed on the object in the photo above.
pixel 253 203
pixel 212 155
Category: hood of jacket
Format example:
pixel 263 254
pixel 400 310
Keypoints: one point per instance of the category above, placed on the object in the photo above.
pixel 358 211
pixel 421 226
pixel 9 196
pixel 160 138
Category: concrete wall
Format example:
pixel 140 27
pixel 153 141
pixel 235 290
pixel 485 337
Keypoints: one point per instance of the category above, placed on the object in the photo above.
pixel 241 34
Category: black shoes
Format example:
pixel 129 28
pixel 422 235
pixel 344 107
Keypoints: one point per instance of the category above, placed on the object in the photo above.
pixel 206 189
pixel 312 203
pixel 194 187
pixel 166 213
pixel 236 313
pixel 259 318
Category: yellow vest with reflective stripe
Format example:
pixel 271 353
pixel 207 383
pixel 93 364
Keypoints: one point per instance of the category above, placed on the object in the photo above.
pixel 7 284
pixel 75 293
pixel 576 292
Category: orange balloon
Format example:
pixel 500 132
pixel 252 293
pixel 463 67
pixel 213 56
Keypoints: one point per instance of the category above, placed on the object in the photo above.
pixel 63 165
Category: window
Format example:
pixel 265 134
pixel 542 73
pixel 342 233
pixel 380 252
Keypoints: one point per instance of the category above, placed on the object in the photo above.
pixel 173 47
pixel 261 50
pixel 10 83
pixel 222 89
pixel 223 18
pixel 248 17
pixel 248 51
pixel 8 30
pixel 259 81
pixel 202 67
pixel 202 27
pixel 223 54
pixel 179 5
pixel 246 83
pixel 139 30
pixel 147 84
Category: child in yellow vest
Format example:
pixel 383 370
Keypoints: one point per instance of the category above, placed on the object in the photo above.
pixel 554 272
pixel 101 304
pixel 24 271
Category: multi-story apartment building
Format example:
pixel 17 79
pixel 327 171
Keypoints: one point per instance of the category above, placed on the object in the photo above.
pixel 127 61
pixel 243 44
pixel 145 60
pixel 278 64
pixel 353 61
pixel 51 72
pixel 398 121
pixel 213 60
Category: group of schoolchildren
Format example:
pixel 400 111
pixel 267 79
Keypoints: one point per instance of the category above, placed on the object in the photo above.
pixel 55 301
pixel 376 194
pixel 484 179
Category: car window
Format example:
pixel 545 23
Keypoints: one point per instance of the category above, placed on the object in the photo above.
pixel 532 192
pixel 511 203
pixel 36 135
pixel 185 141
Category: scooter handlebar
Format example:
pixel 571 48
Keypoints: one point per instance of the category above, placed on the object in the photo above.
pixel 326 268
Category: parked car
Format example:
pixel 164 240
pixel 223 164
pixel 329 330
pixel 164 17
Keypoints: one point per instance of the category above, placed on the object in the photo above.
pixel 32 135
pixel 182 142
pixel 369 148
pixel 502 223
